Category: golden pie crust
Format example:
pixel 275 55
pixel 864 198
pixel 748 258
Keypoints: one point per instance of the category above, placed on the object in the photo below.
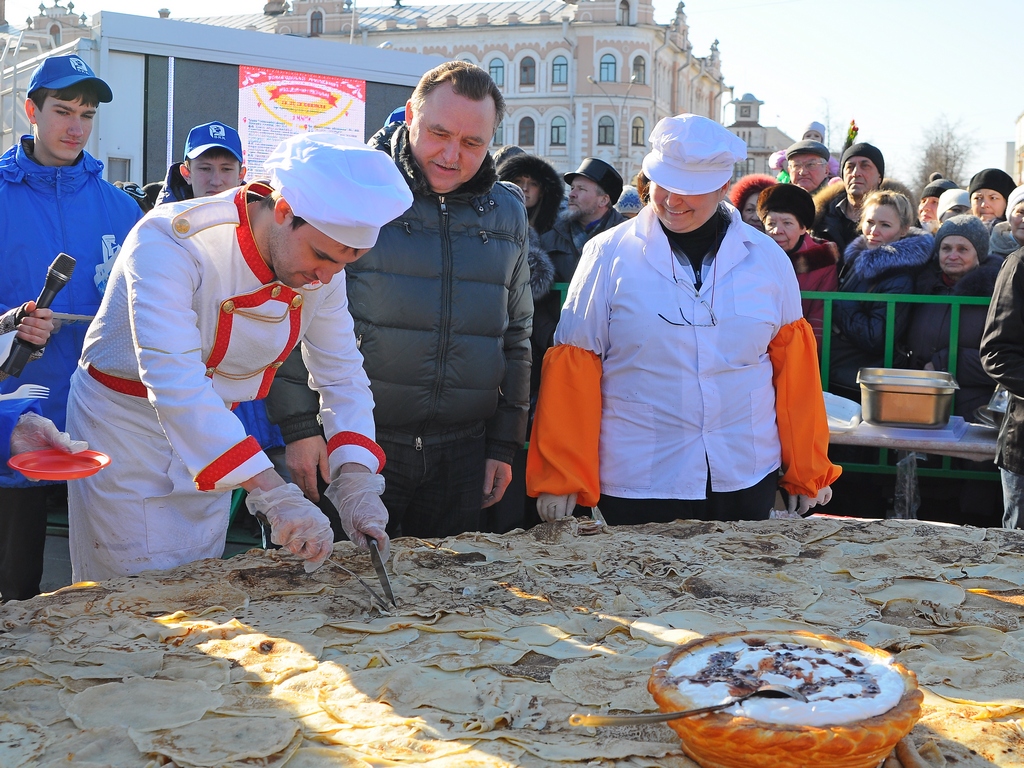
pixel 721 740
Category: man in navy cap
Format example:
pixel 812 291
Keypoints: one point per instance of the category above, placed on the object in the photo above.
pixel 207 300
pixel 213 163
pixel 53 199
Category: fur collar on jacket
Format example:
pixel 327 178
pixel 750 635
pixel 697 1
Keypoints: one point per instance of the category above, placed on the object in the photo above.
pixel 542 270
pixel 814 254
pixel 910 253
pixel 394 139
pixel 978 282
pixel 831 195
pixel 551 185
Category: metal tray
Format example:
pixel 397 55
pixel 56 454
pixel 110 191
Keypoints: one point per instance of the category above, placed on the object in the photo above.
pixel 905 398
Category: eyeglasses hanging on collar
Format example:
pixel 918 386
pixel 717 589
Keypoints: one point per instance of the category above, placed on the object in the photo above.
pixel 685 323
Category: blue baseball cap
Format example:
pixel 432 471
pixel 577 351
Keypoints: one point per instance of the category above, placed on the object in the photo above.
pixel 397 116
pixel 59 72
pixel 210 135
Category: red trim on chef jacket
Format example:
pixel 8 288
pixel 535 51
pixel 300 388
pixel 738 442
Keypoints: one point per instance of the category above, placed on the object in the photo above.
pixel 222 335
pixel 293 339
pixel 354 438
pixel 243 233
pixel 118 384
pixel 227 462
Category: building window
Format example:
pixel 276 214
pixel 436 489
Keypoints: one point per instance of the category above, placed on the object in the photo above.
pixel 638 132
pixel 624 13
pixel 639 70
pixel 558 131
pixel 559 71
pixel 55 34
pixel 499 135
pixel 744 111
pixel 527 72
pixel 526 132
pixel 497 71
pixel 316 24
pixel 608 68
pixel 606 131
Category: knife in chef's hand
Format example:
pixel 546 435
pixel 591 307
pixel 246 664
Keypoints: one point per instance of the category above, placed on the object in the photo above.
pixel 382 574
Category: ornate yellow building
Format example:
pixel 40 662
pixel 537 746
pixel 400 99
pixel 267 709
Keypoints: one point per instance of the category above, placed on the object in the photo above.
pixel 583 78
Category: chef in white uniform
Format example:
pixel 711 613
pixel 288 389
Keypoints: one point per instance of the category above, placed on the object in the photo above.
pixel 206 300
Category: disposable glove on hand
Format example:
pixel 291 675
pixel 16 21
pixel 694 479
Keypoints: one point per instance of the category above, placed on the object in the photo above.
pixel 34 433
pixel 802 505
pixel 296 523
pixel 356 496
pixel 551 507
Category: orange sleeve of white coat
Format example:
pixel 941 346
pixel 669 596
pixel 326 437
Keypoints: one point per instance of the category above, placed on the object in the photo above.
pixel 800 411
pixel 563 456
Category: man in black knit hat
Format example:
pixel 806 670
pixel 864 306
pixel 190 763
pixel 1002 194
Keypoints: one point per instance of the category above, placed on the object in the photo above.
pixel 863 169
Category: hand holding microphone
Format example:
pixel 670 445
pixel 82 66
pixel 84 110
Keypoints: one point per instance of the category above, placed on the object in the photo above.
pixel 57 276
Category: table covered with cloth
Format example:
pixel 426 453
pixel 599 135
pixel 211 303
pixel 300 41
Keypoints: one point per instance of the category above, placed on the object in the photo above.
pixel 495 641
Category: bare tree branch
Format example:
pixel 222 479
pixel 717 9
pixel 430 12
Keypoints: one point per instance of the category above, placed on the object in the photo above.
pixel 947 148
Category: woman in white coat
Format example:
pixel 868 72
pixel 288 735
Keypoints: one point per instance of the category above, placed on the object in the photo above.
pixel 683 375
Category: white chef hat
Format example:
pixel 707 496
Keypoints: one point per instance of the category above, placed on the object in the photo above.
pixel 340 186
pixel 692 155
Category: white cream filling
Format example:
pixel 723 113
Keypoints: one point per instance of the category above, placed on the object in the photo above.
pixel 841 687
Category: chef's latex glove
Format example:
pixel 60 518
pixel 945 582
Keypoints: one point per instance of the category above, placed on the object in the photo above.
pixel 802 505
pixel 356 496
pixel 295 523
pixel 553 507
pixel 34 433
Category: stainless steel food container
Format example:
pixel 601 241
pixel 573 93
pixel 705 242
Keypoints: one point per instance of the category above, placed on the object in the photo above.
pixel 894 397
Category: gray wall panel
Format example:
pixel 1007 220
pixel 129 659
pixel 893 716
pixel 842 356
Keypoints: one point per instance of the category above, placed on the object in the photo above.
pixel 205 91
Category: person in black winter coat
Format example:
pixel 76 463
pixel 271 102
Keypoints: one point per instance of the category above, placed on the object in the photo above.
pixel 544 191
pixel 839 207
pixel 885 259
pixel 1002 355
pixel 960 266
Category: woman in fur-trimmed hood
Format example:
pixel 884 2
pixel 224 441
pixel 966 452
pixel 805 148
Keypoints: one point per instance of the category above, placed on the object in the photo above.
pixel 885 259
pixel 830 223
pixel 550 188
pixel 543 190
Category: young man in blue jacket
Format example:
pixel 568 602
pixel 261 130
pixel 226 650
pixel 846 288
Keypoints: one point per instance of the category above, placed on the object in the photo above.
pixel 53 199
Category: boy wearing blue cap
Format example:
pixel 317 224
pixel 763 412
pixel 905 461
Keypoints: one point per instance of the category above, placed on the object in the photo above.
pixel 53 199
pixel 212 164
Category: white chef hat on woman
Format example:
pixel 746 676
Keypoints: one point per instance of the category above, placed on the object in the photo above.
pixel 342 187
pixel 692 155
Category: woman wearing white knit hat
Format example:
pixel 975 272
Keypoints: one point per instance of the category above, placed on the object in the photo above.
pixel 683 375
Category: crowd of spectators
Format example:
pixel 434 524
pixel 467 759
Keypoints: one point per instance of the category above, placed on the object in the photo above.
pixel 462 333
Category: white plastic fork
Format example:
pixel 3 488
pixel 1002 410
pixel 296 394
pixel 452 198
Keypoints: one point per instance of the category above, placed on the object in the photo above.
pixel 28 391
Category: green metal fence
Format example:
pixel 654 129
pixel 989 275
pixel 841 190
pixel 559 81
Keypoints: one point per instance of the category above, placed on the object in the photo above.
pixel 883 464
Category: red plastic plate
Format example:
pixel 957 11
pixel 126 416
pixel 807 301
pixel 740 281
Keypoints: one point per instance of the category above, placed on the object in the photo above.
pixel 51 464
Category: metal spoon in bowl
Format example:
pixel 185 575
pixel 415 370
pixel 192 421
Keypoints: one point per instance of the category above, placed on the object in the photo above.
pixel 765 691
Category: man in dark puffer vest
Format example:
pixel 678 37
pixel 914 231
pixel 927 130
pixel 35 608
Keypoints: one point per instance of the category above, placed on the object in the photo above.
pixel 443 314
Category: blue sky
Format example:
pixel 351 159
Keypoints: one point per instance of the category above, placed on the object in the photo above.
pixel 896 66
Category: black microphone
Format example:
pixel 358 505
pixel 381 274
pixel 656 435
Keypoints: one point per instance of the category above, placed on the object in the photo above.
pixel 57 276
